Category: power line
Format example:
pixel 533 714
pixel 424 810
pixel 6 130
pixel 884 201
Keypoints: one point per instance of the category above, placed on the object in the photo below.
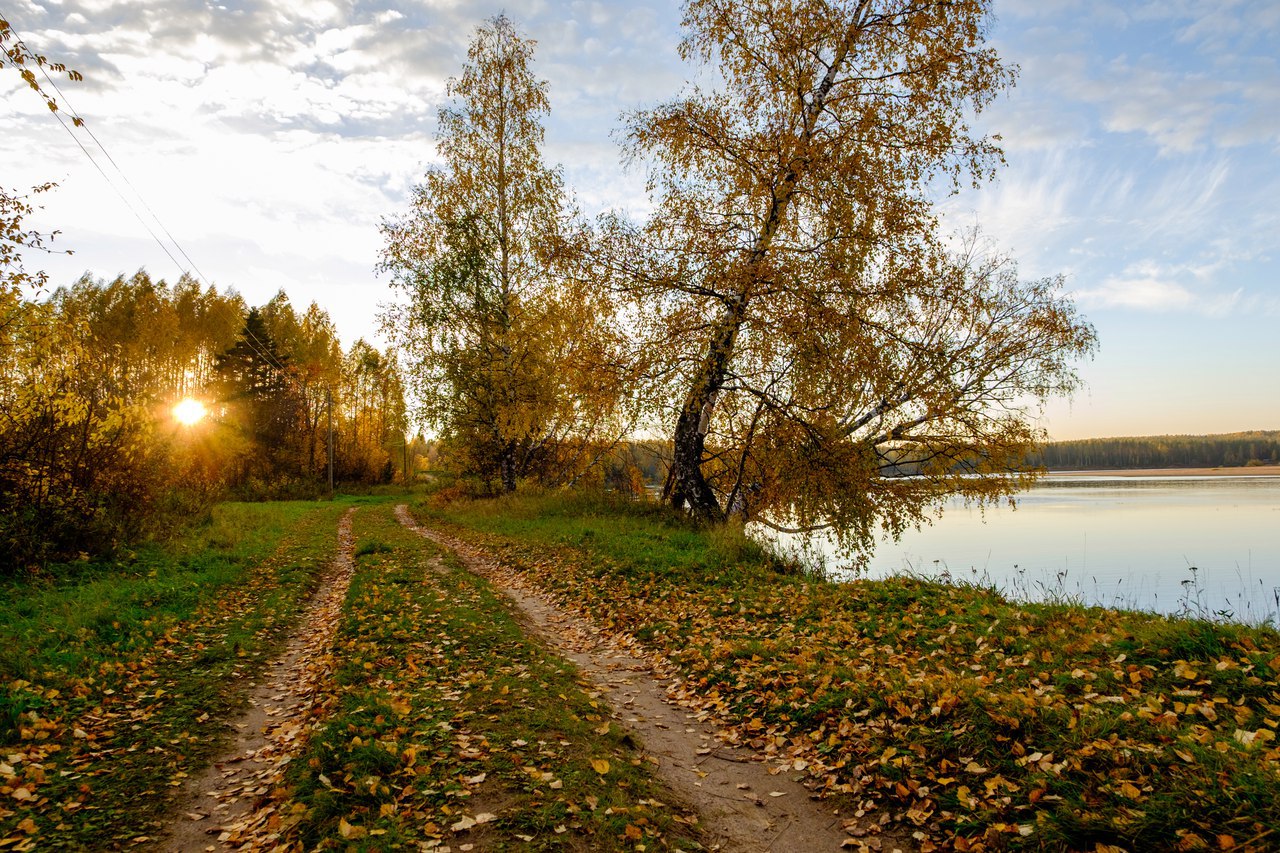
pixel 250 337
pixel 254 342
pixel 80 122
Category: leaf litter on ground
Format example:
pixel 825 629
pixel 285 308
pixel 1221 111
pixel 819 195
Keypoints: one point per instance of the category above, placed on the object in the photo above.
pixel 110 699
pixel 450 729
pixel 973 722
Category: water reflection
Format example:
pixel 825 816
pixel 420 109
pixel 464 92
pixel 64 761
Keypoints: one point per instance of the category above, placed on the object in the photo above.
pixel 1205 545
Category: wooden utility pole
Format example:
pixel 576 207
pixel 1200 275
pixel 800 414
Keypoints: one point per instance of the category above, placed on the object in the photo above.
pixel 328 398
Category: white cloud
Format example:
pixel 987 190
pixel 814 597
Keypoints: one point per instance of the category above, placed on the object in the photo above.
pixel 1150 286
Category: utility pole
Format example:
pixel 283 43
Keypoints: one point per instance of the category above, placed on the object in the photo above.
pixel 328 398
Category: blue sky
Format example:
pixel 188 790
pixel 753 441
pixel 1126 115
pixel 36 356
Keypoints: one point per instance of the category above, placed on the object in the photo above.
pixel 270 137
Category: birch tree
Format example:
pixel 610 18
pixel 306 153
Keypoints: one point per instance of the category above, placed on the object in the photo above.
pixel 820 332
pixel 504 356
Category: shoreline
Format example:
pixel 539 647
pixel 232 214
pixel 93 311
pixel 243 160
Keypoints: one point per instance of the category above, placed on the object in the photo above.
pixel 1241 471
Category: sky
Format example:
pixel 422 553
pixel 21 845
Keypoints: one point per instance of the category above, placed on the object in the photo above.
pixel 270 137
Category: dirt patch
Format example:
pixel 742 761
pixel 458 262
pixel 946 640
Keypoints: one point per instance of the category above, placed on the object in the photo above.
pixel 232 805
pixel 744 804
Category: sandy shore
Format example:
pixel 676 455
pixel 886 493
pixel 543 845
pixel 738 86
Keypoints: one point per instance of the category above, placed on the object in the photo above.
pixel 1242 471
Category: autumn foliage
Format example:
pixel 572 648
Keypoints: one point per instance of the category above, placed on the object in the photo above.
pixel 91 458
pixel 512 355
pixel 975 722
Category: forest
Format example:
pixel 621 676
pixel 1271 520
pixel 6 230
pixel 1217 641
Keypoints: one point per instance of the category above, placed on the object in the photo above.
pixel 227 620
pixel 1230 450
pixel 91 454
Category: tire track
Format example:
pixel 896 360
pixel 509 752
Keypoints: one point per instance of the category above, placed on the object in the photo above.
pixel 743 804
pixel 233 804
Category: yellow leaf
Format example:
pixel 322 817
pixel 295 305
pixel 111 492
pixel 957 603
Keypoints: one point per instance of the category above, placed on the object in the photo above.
pixel 600 766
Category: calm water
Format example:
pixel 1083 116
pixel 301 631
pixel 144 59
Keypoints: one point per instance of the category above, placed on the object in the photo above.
pixel 1207 545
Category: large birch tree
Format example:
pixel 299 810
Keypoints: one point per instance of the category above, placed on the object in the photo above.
pixel 822 335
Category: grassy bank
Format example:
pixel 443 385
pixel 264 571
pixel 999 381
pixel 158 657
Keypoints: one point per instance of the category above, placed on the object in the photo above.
pixel 976 722
pixel 450 727
pixel 114 677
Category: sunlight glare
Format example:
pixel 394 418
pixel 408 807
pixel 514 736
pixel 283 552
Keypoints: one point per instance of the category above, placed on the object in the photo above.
pixel 188 412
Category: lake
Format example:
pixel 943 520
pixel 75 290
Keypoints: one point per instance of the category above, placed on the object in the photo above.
pixel 1202 545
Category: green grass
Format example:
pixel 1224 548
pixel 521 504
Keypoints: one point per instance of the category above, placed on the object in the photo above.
pixel 976 721
pixel 643 535
pixel 114 676
pixel 446 712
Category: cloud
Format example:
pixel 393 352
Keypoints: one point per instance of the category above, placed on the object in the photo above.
pixel 271 137
pixel 1184 75
pixel 266 131
pixel 1150 286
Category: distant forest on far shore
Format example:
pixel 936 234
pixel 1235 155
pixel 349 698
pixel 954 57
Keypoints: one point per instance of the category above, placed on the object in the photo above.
pixel 1230 450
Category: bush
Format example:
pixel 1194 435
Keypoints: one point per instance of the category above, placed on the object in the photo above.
pixel 81 477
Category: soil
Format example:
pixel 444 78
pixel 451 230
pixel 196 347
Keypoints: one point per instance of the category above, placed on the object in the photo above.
pixel 745 805
pixel 232 805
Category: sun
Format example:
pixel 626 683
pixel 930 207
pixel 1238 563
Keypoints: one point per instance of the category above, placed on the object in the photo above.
pixel 188 411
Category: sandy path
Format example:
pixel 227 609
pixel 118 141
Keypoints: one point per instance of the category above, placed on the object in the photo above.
pixel 232 805
pixel 744 806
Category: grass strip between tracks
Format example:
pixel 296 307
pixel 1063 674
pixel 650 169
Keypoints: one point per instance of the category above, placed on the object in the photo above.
pixel 452 728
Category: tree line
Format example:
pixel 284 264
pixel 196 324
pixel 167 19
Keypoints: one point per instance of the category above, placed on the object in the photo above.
pixel 91 456
pixel 1229 450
